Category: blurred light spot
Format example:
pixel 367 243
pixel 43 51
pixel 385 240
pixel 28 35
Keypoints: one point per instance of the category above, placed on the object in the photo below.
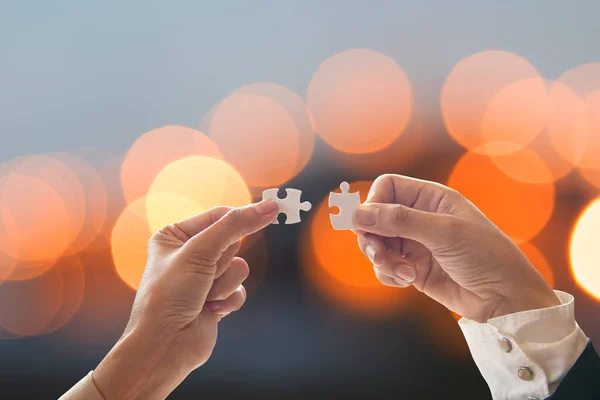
pixel 152 151
pixel 334 264
pixel 360 101
pixel 129 243
pixel 166 208
pixel 516 114
pixel 73 278
pixel 296 108
pixel 7 263
pixel 566 125
pixel 95 200
pixel 537 259
pixel 37 224
pixel 410 145
pixel 195 184
pixel 519 209
pixel 524 165
pixel 259 137
pixel 108 167
pixel 62 182
pixel 584 249
pixel 487 95
pixel 591 156
pixel 583 79
pixel 25 269
pixel 27 307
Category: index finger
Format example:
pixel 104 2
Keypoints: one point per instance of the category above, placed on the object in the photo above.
pixel 234 225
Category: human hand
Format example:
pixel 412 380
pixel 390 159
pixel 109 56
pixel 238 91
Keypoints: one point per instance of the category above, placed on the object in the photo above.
pixel 191 281
pixel 427 235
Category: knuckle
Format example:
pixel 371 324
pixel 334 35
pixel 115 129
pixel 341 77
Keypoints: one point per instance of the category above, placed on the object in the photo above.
pixel 401 215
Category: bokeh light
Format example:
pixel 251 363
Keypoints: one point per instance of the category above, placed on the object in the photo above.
pixel 95 200
pixel 583 79
pixel 519 209
pixel 24 183
pixel 129 243
pixel 27 307
pixel 537 259
pixel 296 108
pixel 194 184
pixel 259 137
pixel 360 101
pixel 37 222
pixel 335 266
pixel 73 277
pixel 516 114
pixel 524 165
pixel 584 250
pixel 154 150
pixel 493 96
pixel 566 126
pixel 590 162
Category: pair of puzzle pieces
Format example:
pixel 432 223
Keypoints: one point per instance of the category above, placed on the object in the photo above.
pixel 291 206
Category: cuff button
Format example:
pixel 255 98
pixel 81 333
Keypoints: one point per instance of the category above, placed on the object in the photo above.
pixel 525 373
pixel 505 345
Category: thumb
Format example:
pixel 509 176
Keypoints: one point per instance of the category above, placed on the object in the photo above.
pixel 395 220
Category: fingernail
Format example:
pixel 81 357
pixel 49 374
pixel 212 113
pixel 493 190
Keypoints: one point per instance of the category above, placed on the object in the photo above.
pixel 266 207
pixel 405 273
pixel 370 251
pixel 365 216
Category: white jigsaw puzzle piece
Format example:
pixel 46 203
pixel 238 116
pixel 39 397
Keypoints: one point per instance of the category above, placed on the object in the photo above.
pixel 347 203
pixel 290 206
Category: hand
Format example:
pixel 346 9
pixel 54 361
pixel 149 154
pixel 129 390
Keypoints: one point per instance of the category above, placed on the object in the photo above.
pixel 191 281
pixel 427 235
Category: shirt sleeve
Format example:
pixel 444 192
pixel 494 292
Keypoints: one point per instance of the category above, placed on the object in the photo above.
pixel 85 389
pixel 525 355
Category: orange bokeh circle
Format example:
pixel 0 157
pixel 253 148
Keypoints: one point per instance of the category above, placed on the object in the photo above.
pixel 296 108
pixel 520 209
pixel 566 124
pixel 537 259
pixel 485 97
pixel 152 151
pixel 73 277
pixel 524 165
pixel 129 243
pixel 583 79
pixel 360 101
pixel 95 200
pixel 591 155
pixel 27 307
pixel 37 223
pixel 258 136
pixel 516 114
pixel 335 266
pixel 192 185
pixel 584 250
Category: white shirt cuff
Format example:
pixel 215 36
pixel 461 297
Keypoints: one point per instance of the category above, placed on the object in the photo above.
pixel 525 355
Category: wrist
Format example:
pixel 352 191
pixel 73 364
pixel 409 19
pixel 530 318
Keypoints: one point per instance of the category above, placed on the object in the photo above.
pixel 141 365
pixel 529 300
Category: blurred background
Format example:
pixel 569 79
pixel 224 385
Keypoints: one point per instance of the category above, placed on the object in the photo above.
pixel 120 117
